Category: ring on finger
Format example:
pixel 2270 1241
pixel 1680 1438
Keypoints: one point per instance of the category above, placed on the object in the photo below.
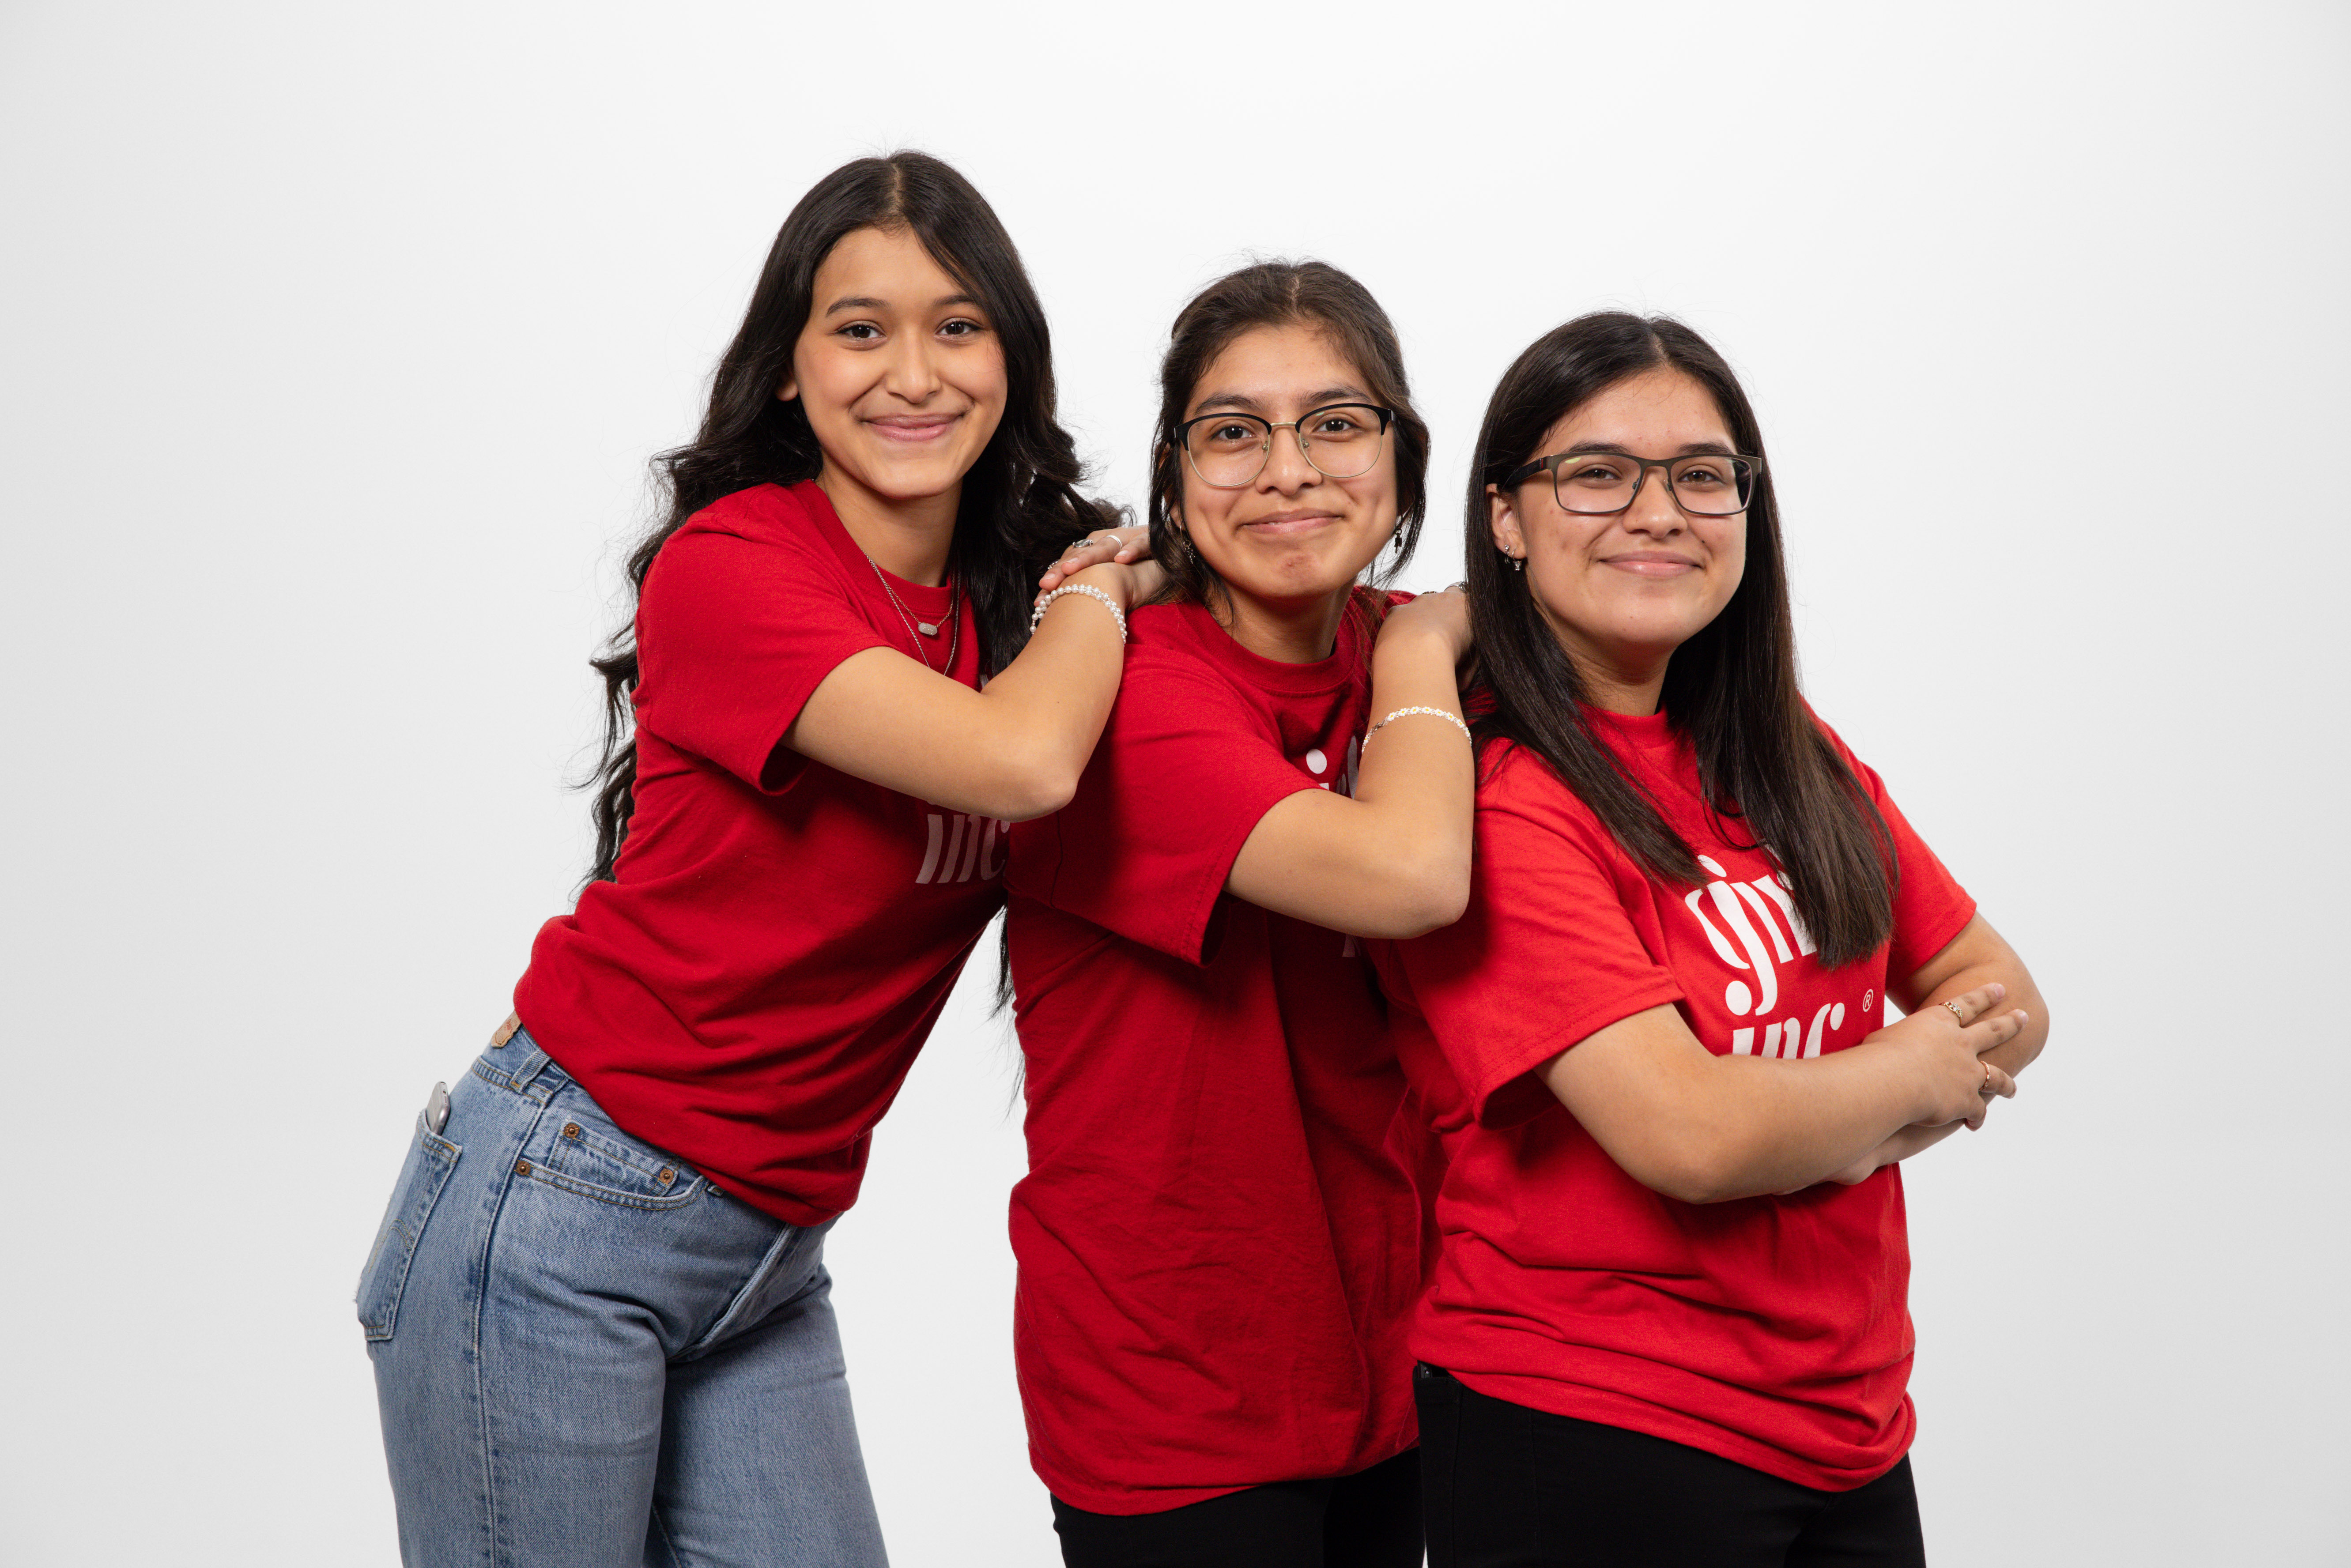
pixel 1987 1082
pixel 1958 1014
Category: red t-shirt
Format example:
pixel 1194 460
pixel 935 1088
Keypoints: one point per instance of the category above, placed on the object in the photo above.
pixel 750 992
pixel 1218 1254
pixel 1771 1331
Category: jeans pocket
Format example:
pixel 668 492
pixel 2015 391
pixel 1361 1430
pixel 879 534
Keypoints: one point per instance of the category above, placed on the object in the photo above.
pixel 430 1158
pixel 582 1152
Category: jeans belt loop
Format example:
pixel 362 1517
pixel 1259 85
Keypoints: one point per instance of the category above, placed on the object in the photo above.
pixel 519 1076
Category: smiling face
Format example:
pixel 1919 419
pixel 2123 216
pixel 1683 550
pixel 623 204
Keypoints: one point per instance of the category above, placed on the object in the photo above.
pixel 1292 537
pixel 899 371
pixel 1621 592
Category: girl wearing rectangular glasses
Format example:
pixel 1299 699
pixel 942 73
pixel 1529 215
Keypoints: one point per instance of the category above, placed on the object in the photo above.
pixel 1666 1323
pixel 1219 1238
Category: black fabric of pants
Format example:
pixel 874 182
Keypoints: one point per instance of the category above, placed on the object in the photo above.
pixel 1513 1488
pixel 1368 1520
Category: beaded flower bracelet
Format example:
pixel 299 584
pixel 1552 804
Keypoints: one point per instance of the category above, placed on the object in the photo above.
pixel 1090 591
pixel 1452 720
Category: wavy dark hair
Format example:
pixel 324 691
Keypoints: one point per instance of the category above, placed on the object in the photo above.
pixel 1279 294
pixel 1762 759
pixel 1020 504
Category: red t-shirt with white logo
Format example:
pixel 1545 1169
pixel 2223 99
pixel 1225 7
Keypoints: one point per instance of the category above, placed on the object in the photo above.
pixel 751 990
pixel 1771 1331
pixel 1218 1254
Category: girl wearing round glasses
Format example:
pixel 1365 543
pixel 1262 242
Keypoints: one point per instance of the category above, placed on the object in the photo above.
pixel 598 1307
pixel 1219 1246
pixel 1666 1323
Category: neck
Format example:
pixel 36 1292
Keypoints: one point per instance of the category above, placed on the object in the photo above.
pixel 1303 631
pixel 1629 681
pixel 908 539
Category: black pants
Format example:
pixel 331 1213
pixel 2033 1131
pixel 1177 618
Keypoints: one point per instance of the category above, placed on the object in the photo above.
pixel 1513 1488
pixel 1368 1520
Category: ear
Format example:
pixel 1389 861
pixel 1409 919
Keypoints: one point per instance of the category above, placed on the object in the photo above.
pixel 1503 521
pixel 790 389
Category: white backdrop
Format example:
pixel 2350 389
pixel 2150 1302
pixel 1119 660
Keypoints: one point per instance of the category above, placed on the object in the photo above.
pixel 335 343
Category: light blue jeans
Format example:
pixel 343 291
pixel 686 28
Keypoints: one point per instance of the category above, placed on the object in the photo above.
pixel 586 1356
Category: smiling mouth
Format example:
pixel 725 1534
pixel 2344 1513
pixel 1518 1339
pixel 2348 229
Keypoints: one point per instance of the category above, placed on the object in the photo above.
pixel 1285 525
pixel 913 430
pixel 1649 564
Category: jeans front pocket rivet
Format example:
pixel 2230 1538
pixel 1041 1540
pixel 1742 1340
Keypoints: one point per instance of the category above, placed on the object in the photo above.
pixel 522 1167
pixel 667 1176
pixel 571 1129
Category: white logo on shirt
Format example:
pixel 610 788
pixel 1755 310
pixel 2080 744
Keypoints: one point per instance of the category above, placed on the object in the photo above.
pixel 963 844
pixel 1751 912
pixel 1318 762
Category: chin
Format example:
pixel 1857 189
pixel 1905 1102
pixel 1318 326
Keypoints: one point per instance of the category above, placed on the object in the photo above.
pixel 916 481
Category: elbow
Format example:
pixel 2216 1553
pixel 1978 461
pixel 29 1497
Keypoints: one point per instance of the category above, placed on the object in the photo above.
pixel 1426 896
pixel 2034 1036
pixel 1686 1181
pixel 1028 789
pixel 1688 1170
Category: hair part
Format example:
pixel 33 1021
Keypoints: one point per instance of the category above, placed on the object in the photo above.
pixel 1271 293
pixel 1020 504
pixel 1762 759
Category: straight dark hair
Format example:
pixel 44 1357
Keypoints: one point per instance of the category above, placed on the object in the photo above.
pixel 1279 294
pixel 1762 759
pixel 1019 503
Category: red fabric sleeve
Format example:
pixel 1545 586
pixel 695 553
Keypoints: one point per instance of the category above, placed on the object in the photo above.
pixel 1931 907
pixel 735 633
pixel 1182 774
pixel 1545 956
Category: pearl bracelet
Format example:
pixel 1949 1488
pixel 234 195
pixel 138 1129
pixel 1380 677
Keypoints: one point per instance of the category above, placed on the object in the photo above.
pixel 1434 712
pixel 1090 591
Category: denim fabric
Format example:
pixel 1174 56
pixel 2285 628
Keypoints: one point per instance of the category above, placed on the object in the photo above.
pixel 586 1354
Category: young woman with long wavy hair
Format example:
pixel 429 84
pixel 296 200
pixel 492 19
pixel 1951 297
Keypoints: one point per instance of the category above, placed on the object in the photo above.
pixel 1218 1245
pixel 1666 1323
pixel 598 1308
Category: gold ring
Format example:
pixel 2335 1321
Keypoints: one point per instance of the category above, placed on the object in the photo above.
pixel 1958 1014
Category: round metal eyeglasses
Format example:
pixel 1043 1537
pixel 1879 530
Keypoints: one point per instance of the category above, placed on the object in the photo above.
pixel 1599 484
pixel 1228 451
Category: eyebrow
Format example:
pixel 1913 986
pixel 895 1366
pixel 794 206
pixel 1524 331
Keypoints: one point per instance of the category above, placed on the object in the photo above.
pixel 865 302
pixel 1248 404
pixel 1689 449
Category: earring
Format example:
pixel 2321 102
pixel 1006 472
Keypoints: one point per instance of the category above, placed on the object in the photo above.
pixel 1518 563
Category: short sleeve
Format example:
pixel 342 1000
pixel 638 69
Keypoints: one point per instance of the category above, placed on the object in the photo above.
pixel 1931 907
pixel 1185 771
pixel 734 634
pixel 1545 956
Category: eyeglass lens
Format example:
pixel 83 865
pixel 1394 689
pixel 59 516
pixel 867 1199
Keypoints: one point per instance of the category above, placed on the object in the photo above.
pixel 1228 450
pixel 1604 481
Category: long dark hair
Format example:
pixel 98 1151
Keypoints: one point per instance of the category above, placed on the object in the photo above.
pixel 1731 689
pixel 1019 503
pixel 1278 294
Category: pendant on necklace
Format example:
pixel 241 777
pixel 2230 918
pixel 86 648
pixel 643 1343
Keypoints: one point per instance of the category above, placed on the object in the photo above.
pixel 927 628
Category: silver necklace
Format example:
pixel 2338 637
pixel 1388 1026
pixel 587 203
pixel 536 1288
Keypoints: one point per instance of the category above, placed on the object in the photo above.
pixel 928 628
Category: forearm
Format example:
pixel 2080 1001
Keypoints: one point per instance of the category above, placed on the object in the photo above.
pixel 1771 1126
pixel 1038 718
pixel 1392 859
pixel 1014 751
pixel 1416 780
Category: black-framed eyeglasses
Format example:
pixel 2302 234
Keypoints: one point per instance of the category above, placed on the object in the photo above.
pixel 1599 484
pixel 1228 451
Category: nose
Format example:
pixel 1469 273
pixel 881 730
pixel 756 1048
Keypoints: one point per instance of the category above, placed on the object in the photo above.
pixel 909 374
pixel 1654 510
pixel 1286 470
